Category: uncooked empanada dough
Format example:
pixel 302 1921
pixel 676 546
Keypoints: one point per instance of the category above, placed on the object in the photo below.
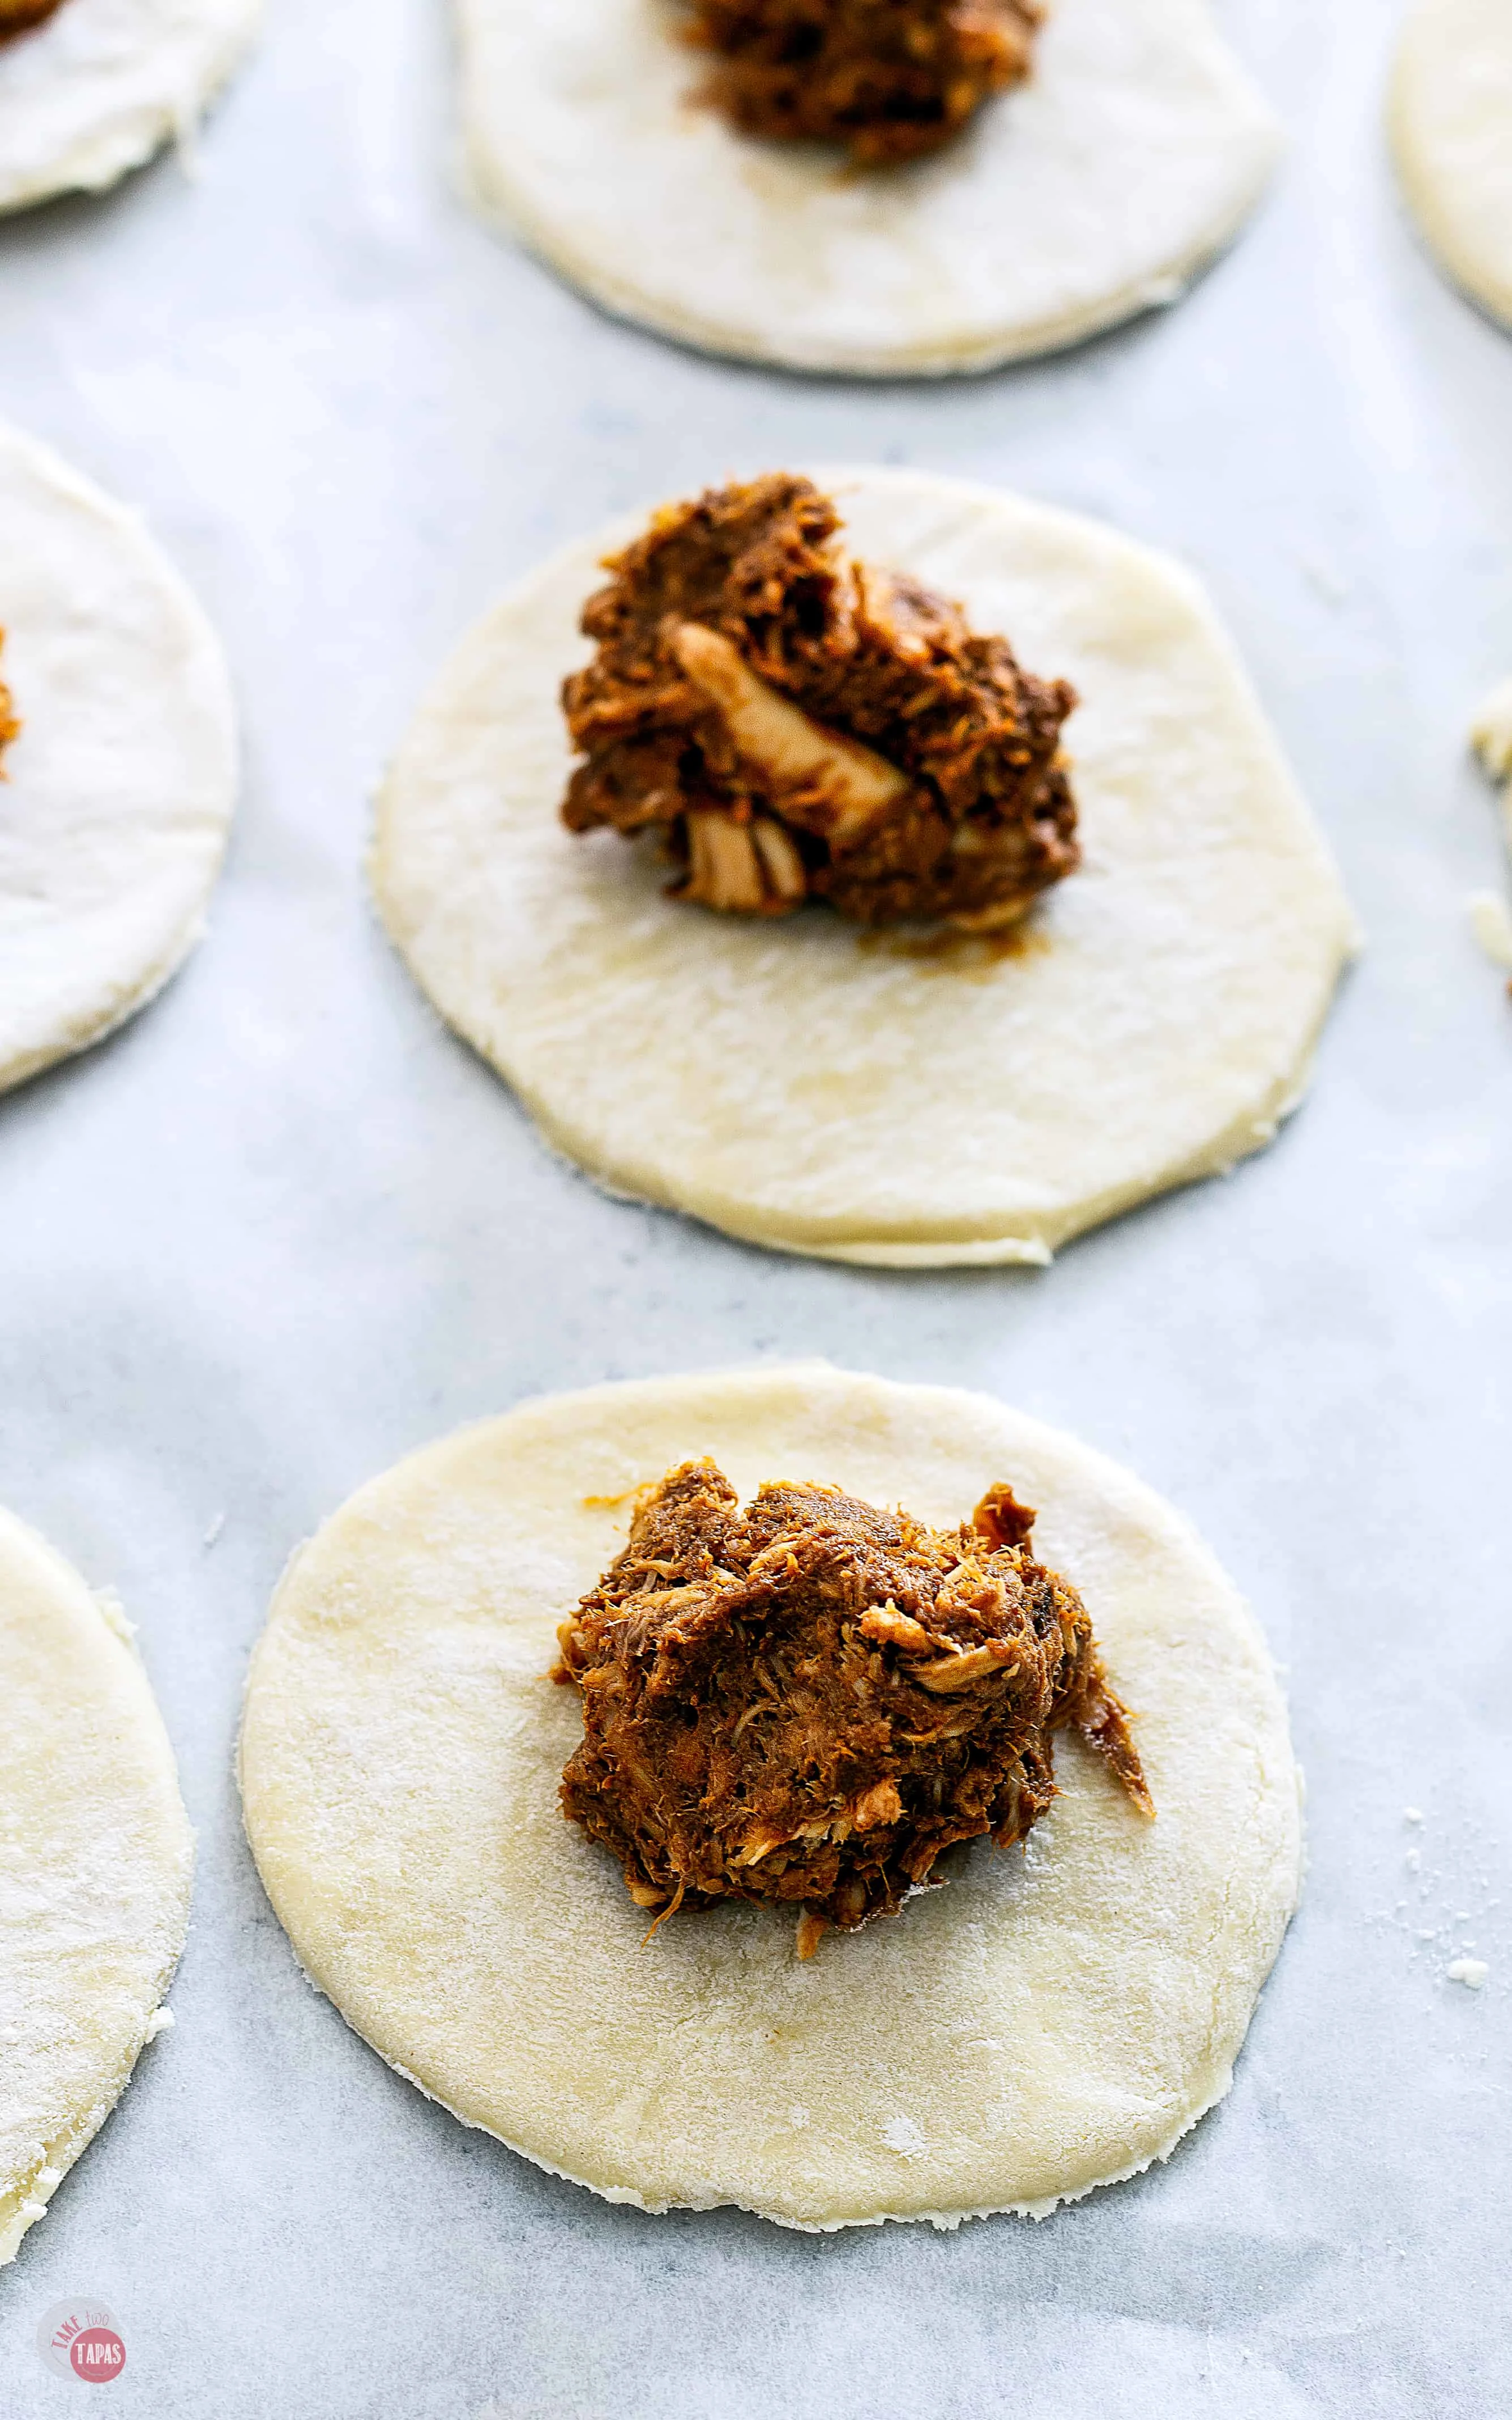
pixel 95 1859
pixel 1050 2021
pixel 115 813
pixel 1097 189
pixel 104 84
pixel 814 1090
pixel 1451 127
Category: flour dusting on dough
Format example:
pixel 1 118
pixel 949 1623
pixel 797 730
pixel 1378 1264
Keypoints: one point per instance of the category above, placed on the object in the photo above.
pixel 95 1858
pixel 105 84
pixel 117 803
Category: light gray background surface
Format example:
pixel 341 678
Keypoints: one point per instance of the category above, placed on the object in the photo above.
pixel 283 1228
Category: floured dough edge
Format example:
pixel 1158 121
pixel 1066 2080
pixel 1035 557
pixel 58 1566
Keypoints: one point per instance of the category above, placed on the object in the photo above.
pixel 211 674
pixel 25 2200
pixel 825 1373
pixel 126 137
pixel 484 183
pixel 1440 190
pixel 484 188
pixel 1250 1132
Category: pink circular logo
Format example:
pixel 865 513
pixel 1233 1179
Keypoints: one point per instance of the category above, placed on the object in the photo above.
pixel 96 2354
pixel 81 2339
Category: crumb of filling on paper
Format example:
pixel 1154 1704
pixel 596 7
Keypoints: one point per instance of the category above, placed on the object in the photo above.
pixel 1492 737
pixel 1472 1972
pixel 807 1700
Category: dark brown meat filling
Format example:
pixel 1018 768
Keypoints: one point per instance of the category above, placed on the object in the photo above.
pixel 19 16
pixel 889 79
pixel 810 1699
pixel 794 725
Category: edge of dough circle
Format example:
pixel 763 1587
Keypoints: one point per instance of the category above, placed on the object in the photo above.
pixel 1049 2021
pixel 1451 108
pixel 98 87
pixel 119 791
pixel 96 1856
pixel 1096 189
pixel 814 1090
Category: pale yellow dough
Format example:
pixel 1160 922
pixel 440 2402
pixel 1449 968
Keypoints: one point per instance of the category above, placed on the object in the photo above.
pixel 1094 191
pixel 95 1862
pixel 117 797
pixel 104 84
pixel 1452 130
pixel 799 1088
pixel 1051 2020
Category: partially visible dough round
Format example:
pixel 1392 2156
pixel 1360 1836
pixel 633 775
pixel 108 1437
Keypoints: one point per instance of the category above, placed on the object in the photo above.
pixel 1099 188
pixel 1048 2022
pixel 104 84
pixel 813 1090
pixel 115 813
pixel 95 1861
pixel 1452 127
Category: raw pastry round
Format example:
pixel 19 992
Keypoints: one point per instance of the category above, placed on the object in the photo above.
pixel 1094 191
pixel 1451 127
pixel 804 1087
pixel 104 84
pixel 95 1860
pixel 1049 2021
pixel 115 813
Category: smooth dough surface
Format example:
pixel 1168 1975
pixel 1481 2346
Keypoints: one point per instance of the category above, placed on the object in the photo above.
pixel 95 1860
pixel 809 1089
pixel 115 813
pixel 1046 2023
pixel 104 84
pixel 1452 127
pixel 1094 191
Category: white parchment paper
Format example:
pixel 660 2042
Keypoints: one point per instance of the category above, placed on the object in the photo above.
pixel 283 1228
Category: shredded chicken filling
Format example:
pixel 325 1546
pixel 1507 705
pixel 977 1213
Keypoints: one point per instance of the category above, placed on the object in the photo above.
pixel 888 79
pixel 794 725
pixel 810 1699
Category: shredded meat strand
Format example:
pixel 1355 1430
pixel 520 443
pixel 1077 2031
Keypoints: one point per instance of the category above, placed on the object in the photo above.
pixel 809 1701
pixel 10 726
pixel 888 79
pixel 793 725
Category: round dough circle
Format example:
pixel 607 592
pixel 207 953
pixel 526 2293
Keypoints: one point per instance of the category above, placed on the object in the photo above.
pixel 96 1855
pixel 1452 129
pixel 1096 189
pixel 115 813
pixel 104 84
pixel 794 1083
pixel 1046 2023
